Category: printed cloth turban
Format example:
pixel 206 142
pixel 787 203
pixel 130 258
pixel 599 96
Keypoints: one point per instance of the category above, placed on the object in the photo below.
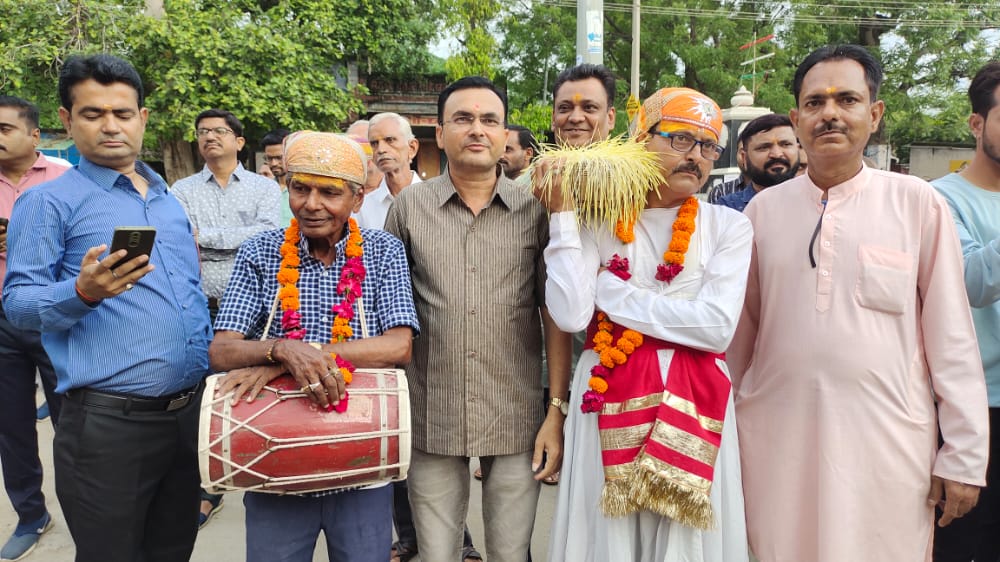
pixel 680 106
pixel 328 155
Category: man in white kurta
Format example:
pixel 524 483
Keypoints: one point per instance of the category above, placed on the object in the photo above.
pixel 855 344
pixel 698 309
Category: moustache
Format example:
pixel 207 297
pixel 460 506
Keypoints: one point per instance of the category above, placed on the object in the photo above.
pixel 827 127
pixel 782 161
pixel 690 168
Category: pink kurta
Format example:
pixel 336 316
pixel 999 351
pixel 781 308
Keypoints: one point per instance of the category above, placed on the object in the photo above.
pixel 837 368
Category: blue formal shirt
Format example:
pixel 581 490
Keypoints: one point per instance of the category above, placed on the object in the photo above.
pixel 739 200
pixel 386 290
pixel 150 341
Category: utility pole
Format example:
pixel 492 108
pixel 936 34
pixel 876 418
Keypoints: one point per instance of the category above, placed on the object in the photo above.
pixel 590 31
pixel 635 49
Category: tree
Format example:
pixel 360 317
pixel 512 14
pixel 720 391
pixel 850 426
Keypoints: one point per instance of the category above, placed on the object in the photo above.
pixel 271 62
pixel 927 51
pixel 468 21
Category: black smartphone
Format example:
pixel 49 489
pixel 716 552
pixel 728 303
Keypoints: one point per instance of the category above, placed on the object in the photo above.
pixel 3 222
pixel 138 240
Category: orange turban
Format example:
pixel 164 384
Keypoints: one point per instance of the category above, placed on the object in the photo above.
pixel 682 106
pixel 327 155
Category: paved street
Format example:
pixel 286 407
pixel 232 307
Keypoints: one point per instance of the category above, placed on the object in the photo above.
pixel 223 539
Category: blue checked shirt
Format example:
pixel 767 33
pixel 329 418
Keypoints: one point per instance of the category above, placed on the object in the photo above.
pixel 150 341
pixel 386 289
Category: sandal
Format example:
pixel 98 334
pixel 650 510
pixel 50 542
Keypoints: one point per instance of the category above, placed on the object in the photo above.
pixel 470 553
pixel 551 479
pixel 402 553
pixel 204 518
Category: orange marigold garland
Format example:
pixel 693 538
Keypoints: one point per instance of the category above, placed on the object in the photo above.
pixel 673 258
pixel 611 356
pixel 349 286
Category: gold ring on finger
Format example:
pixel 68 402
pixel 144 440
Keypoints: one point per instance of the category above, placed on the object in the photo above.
pixel 113 274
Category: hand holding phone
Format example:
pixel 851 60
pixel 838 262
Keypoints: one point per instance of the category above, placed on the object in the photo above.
pixel 135 240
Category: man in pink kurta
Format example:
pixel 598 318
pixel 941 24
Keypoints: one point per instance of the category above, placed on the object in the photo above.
pixel 21 351
pixel 855 343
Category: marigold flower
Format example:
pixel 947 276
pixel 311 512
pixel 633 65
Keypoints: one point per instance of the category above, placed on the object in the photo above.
pixel 288 277
pixel 617 356
pixel 602 337
pixel 348 376
pixel 606 359
pixel 625 346
pixel 625 231
pixel 673 257
pixel 290 303
pixel 633 336
pixel 597 384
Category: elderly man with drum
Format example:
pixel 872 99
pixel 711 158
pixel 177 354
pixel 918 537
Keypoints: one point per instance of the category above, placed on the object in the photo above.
pixel 303 301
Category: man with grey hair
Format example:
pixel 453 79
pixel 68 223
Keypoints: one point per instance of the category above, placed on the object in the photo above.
pixel 393 148
pixel 358 131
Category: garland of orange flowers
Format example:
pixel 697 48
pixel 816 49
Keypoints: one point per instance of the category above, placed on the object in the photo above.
pixel 351 277
pixel 683 229
pixel 612 354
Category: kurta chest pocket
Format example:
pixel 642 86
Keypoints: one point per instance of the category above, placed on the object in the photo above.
pixel 885 279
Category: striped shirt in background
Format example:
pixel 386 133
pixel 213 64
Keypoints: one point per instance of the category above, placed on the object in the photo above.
pixel 478 280
pixel 226 216
pixel 151 341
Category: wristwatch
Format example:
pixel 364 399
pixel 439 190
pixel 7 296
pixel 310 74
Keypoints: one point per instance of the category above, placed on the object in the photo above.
pixel 561 404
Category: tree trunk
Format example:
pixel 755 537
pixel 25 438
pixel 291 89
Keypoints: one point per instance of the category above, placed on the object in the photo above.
pixel 178 159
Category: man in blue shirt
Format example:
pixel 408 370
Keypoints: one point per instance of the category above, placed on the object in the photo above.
pixel 974 198
pixel 129 342
pixel 326 173
pixel 770 151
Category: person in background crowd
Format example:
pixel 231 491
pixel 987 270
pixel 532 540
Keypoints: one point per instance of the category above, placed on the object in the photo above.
pixel 21 352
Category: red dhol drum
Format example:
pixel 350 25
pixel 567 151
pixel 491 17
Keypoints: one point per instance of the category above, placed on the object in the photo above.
pixel 283 443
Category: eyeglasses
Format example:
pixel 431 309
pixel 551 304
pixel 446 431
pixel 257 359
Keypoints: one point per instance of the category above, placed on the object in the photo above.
pixel 685 144
pixel 273 158
pixel 219 132
pixel 466 121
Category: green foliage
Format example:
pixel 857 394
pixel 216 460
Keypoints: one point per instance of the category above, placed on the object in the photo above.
pixel 272 62
pixel 468 21
pixel 535 116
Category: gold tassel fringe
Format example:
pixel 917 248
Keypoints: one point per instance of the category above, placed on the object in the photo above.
pixel 608 180
pixel 643 489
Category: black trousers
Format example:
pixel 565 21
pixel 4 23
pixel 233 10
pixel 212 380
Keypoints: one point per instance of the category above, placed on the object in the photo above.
pixel 128 483
pixel 977 535
pixel 21 353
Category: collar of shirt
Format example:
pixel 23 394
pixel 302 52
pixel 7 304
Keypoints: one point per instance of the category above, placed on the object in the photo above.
pixel 107 178
pixel 239 174
pixel 41 165
pixel 502 190
pixel 844 189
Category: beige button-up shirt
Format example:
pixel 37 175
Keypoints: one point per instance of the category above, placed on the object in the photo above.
pixel 478 283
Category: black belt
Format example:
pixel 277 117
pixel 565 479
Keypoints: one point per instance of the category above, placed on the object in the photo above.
pixel 128 404
pixel 213 303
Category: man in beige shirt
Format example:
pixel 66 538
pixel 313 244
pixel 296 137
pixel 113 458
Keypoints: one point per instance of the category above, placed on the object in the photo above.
pixel 474 242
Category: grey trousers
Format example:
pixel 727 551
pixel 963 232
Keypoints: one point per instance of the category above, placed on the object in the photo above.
pixel 439 497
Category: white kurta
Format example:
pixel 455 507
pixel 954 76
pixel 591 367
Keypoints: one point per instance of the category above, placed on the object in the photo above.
pixel 698 309
pixel 838 365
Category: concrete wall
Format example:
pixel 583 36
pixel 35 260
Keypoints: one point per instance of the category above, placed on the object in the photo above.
pixel 931 162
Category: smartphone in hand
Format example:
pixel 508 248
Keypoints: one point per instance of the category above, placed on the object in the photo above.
pixel 138 240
